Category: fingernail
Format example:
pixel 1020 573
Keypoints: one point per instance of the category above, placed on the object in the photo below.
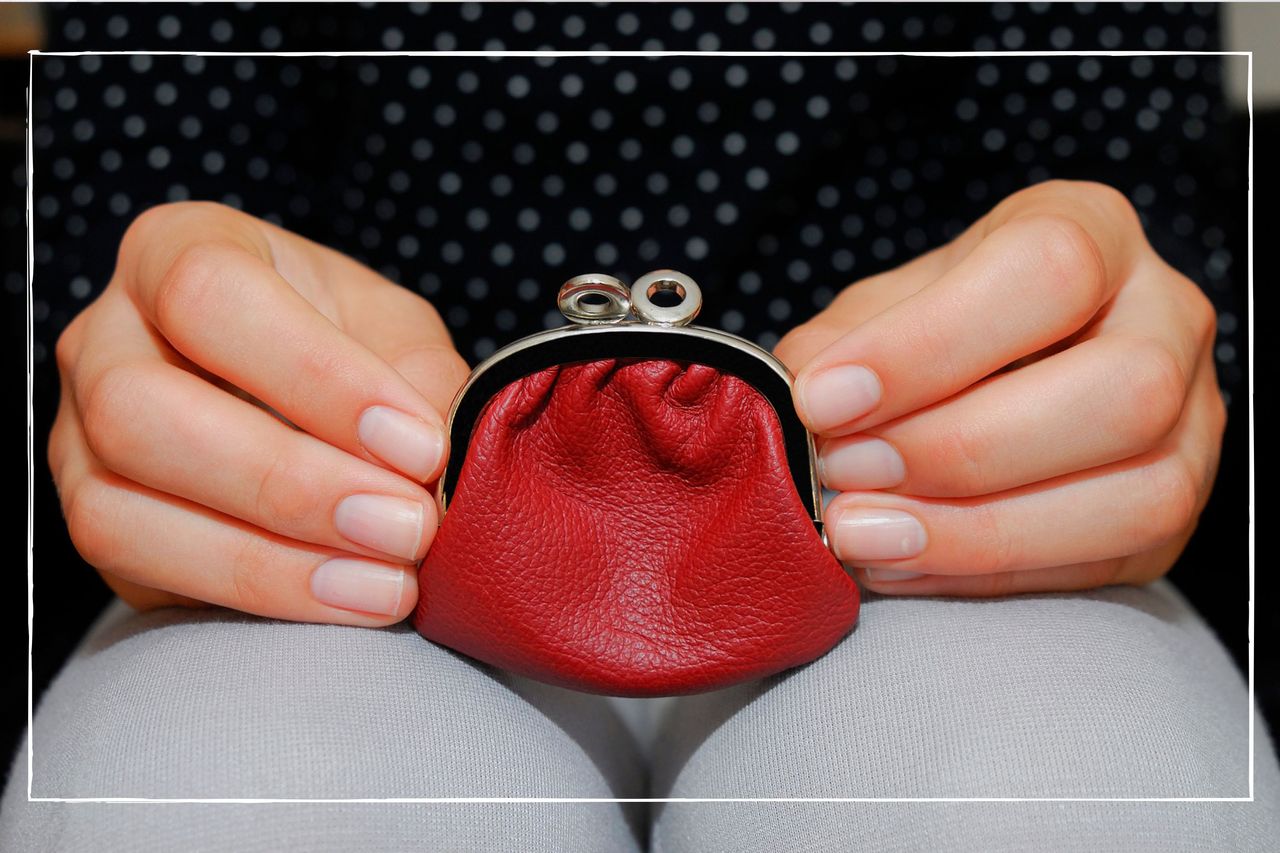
pixel 864 463
pixel 877 534
pixel 883 575
pixel 837 395
pixel 358 585
pixel 403 441
pixel 387 524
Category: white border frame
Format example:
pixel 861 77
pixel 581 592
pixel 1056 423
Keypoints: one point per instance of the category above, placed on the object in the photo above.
pixel 530 54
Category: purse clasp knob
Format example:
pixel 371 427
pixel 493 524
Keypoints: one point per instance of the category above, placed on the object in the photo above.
pixel 659 298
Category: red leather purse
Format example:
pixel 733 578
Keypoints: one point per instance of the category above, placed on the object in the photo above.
pixel 631 506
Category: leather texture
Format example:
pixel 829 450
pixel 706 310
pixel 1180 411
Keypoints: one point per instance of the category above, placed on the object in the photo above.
pixel 630 527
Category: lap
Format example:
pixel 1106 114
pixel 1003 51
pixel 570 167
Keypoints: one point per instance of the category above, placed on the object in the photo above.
pixel 212 704
pixel 1117 693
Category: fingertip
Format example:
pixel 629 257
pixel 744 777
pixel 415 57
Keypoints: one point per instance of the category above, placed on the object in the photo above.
pixel 829 399
pixel 364 592
pixel 409 444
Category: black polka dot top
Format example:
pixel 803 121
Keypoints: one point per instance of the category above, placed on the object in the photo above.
pixel 483 182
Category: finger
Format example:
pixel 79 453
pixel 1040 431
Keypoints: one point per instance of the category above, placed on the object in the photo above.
pixel 205 277
pixel 1105 399
pixel 1032 280
pixel 162 427
pixel 1124 508
pixel 1130 569
pixel 859 302
pixel 407 332
pixel 209 557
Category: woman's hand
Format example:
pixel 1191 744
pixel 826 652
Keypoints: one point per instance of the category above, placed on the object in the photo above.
pixel 1032 407
pixel 180 486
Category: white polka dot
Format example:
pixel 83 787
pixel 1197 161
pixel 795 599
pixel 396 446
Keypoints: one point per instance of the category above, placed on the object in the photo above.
pixel 527 219
pixel 606 254
pixel 571 85
pixel 517 86
pixel 450 183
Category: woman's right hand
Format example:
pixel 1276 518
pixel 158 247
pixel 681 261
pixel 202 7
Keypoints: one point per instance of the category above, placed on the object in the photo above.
pixel 179 480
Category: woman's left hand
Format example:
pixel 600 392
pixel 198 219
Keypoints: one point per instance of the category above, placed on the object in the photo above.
pixel 1032 407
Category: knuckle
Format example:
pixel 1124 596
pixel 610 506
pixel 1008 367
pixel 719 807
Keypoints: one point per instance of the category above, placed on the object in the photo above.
pixel 190 279
pixel 1204 316
pixel 1175 492
pixel 1070 263
pixel 162 218
pixel 252 586
pixel 67 350
pixel 146 224
pixel 994 550
pixel 284 503
pixel 109 405
pixel 1104 197
pixel 87 508
pixel 960 456
pixel 1152 391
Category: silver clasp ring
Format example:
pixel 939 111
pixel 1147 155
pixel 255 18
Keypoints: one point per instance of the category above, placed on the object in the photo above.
pixel 594 299
pixel 666 281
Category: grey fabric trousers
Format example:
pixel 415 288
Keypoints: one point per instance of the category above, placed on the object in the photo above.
pixel 1112 694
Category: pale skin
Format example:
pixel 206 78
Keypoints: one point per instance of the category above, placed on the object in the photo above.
pixel 1032 407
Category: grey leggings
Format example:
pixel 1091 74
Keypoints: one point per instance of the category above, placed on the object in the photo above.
pixel 1117 693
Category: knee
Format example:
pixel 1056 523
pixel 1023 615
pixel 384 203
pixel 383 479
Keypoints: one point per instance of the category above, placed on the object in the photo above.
pixel 1117 693
pixel 215 704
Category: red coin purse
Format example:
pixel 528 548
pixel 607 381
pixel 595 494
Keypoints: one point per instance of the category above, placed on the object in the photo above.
pixel 631 506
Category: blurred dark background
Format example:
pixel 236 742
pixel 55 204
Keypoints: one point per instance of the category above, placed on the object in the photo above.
pixel 68 594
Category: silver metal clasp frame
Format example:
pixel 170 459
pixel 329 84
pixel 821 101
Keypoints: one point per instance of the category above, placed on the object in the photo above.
pixel 649 319
pixel 660 298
